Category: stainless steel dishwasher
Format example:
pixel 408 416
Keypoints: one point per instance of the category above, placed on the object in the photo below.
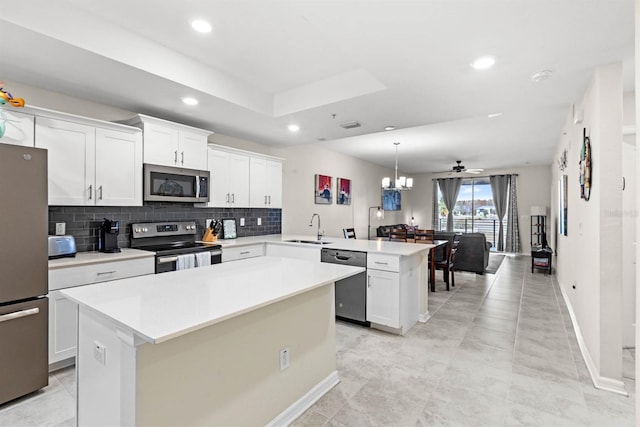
pixel 351 293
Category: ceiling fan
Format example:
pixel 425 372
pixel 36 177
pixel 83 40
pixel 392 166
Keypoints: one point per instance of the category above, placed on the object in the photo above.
pixel 460 168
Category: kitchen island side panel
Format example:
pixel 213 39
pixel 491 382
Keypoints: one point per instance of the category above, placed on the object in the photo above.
pixel 229 373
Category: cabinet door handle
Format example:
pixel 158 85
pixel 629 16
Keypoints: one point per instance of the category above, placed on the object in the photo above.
pixel 269 199
pixel 101 273
pixel 182 157
pixel 100 188
pixel 19 314
pixel 245 252
pixel 233 197
pixel 381 263
pixel 227 198
pixel 265 199
pixel 368 281
pixel 175 157
pixel 90 192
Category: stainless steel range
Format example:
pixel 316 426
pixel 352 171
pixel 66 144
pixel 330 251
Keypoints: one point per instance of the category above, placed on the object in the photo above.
pixel 174 243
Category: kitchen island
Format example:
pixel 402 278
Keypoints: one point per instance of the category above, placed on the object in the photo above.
pixel 244 343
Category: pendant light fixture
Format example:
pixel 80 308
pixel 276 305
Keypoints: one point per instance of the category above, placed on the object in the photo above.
pixel 400 183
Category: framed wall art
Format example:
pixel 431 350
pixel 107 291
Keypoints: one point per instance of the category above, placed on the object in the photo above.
pixel 562 204
pixel 343 190
pixel 322 191
pixel 585 167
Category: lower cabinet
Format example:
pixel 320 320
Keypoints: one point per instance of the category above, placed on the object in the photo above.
pixel 383 298
pixel 62 327
pixel 63 312
pixel 243 252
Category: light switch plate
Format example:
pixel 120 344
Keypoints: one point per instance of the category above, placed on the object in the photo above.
pixel 259 221
pixel 100 352
pixel 241 222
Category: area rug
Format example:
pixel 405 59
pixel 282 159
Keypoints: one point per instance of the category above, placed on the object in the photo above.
pixel 495 260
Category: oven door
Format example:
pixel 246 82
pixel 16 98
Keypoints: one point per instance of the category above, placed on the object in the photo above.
pixel 168 263
pixel 172 184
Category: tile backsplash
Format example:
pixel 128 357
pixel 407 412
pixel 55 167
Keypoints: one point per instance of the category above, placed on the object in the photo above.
pixel 83 222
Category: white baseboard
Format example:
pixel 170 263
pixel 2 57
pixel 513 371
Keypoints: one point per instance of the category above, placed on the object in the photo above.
pixel 599 382
pixel 298 407
pixel 422 318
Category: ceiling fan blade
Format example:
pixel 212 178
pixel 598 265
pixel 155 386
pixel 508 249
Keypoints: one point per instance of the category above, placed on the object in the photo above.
pixel 474 171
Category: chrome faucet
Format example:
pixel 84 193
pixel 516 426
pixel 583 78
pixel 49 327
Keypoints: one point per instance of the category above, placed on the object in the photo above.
pixel 320 233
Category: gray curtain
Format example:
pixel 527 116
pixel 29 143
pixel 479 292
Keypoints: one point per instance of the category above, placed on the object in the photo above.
pixel 450 187
pixel 513 233
pixel 435 212
pixel 500 192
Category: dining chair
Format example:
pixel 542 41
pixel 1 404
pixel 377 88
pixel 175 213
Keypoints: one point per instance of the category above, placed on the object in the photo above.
pixel 397 235
pixel 349 233
pixel 423 236
pixel 445 262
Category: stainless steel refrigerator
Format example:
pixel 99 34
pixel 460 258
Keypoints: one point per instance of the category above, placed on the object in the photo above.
pixel 24 305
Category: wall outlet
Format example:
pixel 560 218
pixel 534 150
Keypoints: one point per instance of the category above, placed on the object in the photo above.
pixel 259 221
pixel 284 359
pixel 241 222
pixel 100 352
pixel 61 228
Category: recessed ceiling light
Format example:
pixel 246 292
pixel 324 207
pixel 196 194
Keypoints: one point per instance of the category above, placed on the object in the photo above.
pixel 541 75
pixel 201 26
pixel 483 63
pixel 491 116
pixel 389 127
pixel 294 128
pixel 190 101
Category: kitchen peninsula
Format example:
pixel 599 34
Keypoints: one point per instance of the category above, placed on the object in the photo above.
pixel 245 343
pixel 396 272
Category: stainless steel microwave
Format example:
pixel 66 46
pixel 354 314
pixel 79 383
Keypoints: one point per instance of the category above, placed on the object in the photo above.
pixel 174 184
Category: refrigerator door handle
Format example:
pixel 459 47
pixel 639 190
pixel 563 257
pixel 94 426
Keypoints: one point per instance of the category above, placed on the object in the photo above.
pixel 19 314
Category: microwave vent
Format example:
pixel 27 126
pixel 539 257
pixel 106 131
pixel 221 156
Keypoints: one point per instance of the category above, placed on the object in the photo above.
pixel 350 125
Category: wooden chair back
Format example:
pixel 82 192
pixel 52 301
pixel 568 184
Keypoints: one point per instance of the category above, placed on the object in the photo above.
pixel 349 233
pixel 423 236
pixel 397 235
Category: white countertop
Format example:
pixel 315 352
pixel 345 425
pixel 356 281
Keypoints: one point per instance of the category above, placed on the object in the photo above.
pixel 164 306
pixel 369 246
pixel 84 258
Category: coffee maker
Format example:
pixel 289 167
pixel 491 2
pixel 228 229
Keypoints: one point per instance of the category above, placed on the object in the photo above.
pixel 108 240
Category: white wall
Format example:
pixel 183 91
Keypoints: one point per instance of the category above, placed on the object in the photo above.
pixel 588 261
pixel 534 189
pixel 302 163
pixel 629 215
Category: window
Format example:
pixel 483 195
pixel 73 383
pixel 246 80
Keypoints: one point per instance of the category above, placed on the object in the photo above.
pixel 474 210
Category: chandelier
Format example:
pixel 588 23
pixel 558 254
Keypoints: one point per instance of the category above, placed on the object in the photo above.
pixel 400 183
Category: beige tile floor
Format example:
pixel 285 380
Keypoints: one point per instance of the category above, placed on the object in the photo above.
pixel 499 350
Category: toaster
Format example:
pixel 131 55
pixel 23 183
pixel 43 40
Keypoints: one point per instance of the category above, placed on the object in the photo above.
pixel 62 246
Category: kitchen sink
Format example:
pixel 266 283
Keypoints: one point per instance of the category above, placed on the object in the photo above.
pixel 313 242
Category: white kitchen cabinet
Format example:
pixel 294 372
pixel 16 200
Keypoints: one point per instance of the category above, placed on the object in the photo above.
pixel 91 165
pixel 383 298
pixel 172 144
pixel 62 327
pixel 265 183
pixel 229 179
pixel 63 312
pixel 242 252
pixel 19 128
pixel 393 290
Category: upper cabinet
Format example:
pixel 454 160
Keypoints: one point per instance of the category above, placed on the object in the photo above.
pixel 18 128
pixel 229 179
pixel 172 144
pixel 243 179
pixel 265 185
pixel 91 162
